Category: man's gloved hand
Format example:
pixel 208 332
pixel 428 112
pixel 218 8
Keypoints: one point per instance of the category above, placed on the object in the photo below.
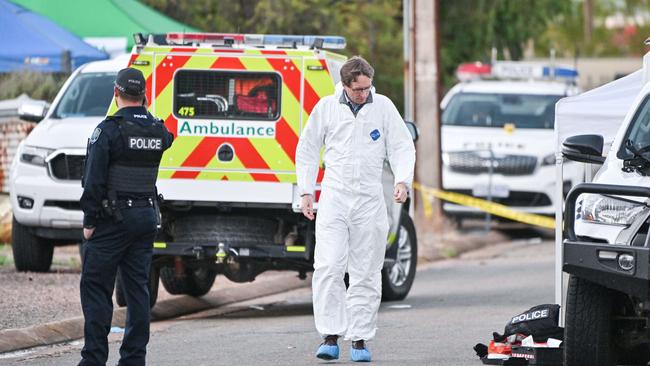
pixel 400 193
pixel 307 206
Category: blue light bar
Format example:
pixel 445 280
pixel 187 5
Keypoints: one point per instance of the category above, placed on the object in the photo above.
pixel 329 42
pixel 561 72
pixel 532 70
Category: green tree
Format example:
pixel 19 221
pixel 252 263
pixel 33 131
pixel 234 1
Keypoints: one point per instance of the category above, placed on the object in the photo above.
pixel 619 29
pixel 513 23
pixel 207 15
pixel 471 28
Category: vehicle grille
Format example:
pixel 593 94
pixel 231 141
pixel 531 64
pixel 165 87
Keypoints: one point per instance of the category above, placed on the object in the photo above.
pixel 516 198
pixel 67 167
pixel 66 205
pixel 470 162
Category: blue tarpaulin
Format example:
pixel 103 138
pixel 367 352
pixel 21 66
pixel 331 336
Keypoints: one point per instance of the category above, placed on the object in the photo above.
pixel 31 41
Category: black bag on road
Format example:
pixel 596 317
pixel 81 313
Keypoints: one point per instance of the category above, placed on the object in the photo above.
pixel 540 321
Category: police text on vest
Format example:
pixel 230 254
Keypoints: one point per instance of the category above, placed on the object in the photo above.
pixel 145 143
pixel 533 315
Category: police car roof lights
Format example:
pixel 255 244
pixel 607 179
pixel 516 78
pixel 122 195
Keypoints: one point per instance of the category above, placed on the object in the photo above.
pixel 560 72
pixel 515 70
pixel 532 70
pixel 473 70
pixel 258 40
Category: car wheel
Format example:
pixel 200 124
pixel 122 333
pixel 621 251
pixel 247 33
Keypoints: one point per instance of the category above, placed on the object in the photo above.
pixel 31 253
pixel 588 337
pixel 194 282
pixel 398 278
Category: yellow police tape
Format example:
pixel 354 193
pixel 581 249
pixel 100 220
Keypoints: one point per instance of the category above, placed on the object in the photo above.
pixel 496 209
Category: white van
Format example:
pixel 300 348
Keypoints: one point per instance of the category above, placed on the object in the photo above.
pixel 45 174
pixel 497 136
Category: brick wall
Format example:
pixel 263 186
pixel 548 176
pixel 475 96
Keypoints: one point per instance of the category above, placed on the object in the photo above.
pixel 12 132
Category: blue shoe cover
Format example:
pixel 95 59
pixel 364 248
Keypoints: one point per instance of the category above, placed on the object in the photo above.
pixel 328 352
pixel 360 355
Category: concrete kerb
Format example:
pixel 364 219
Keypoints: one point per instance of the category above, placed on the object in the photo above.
pixel 71 329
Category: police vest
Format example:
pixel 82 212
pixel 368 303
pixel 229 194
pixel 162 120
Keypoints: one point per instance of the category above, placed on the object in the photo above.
pixel 136 169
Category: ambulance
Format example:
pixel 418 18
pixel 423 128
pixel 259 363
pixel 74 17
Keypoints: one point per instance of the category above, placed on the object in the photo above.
pixel 236 104
pixel 498 138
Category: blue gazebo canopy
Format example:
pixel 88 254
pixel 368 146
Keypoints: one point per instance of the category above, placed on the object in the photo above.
pixel 31 41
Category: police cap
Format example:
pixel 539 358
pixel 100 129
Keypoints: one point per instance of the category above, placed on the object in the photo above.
pixel 130 81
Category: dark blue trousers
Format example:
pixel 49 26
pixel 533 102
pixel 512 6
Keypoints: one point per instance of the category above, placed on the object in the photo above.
pixel 127 247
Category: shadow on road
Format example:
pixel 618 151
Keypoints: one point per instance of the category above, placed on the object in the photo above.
pixel 280 309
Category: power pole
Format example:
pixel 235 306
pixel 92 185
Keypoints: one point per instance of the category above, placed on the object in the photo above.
pixel 422 92
pixel 588 13
pixel 409 59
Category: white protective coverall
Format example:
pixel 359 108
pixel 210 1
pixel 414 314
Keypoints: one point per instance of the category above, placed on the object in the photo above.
pixel 351 223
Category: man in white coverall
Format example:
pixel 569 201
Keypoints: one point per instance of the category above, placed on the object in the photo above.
pixel 359 129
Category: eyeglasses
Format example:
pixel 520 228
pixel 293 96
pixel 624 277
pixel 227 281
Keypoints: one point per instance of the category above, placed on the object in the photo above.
pixel 361 90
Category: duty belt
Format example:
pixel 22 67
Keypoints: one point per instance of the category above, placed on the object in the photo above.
pixel 130 203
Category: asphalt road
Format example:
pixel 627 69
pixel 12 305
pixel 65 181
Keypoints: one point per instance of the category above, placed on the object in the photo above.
pixel 453 305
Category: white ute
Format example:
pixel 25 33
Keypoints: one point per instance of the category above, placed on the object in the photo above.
pixel 605 243
pixel 45 176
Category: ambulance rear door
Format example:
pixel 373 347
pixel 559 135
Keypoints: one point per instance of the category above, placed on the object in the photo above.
pixel 236 116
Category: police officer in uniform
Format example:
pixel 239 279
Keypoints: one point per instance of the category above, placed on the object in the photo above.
pixel 120 220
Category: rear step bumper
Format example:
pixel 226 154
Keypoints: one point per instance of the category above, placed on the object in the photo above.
pixel 211 250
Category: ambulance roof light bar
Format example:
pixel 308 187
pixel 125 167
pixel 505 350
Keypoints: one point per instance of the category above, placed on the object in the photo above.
pixel 257 40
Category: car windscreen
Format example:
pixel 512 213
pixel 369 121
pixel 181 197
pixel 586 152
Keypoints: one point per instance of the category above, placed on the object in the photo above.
pixel 497 110
pixel 89 95
pixel 638 131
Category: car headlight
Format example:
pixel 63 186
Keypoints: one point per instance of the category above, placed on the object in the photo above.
pixel 548 160
pixel 608 210
pixel 34 155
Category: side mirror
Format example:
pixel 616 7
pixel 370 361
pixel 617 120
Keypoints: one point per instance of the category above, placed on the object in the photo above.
pixel 413 129
pixel 33 110
pixel 584 149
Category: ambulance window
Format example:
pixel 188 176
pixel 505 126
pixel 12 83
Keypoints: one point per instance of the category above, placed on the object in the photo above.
pixel 214 94
pixel 639 130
